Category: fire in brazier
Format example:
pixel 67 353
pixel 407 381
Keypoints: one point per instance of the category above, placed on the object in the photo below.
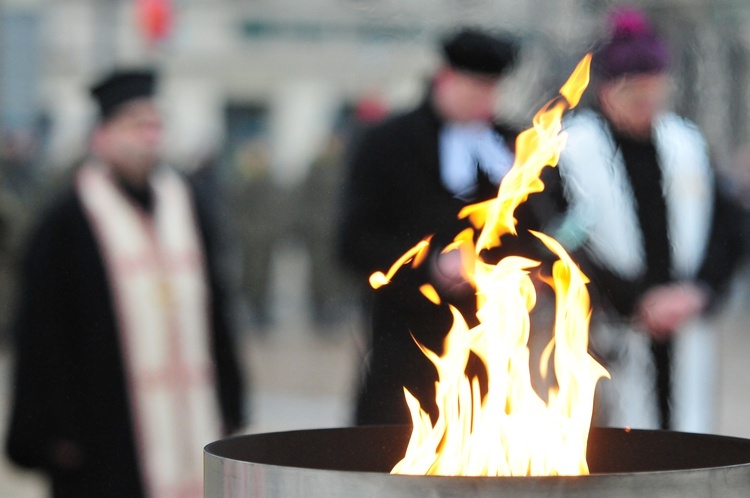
pixel 509 430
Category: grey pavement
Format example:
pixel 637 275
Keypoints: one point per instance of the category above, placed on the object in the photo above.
pixel 302 378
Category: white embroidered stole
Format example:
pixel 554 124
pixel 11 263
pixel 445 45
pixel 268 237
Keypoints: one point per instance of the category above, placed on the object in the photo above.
pixel 602 202
pixel 156 271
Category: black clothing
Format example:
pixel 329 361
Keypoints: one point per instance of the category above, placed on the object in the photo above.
pixel 142 195
pixel 70 382
pixel 644 173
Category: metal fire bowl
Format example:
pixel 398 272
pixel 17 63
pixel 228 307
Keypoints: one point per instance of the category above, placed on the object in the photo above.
pixel 355 462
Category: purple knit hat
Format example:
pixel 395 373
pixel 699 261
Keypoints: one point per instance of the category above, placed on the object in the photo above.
pixel 632 46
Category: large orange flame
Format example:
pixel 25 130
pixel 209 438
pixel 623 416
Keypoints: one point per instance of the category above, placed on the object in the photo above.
pixel 510 430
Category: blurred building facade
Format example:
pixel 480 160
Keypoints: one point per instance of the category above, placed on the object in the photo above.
pixel 302 59
pixel 256 87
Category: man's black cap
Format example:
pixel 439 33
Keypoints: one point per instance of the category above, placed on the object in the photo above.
pixel 479 51
pixel 120 87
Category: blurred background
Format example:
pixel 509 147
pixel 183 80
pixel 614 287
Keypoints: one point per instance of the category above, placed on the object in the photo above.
pixel 260 99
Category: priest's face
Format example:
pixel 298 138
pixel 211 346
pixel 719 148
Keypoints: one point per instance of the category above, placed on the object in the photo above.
pixel 631 103
pixel 130 141
pixel 465 97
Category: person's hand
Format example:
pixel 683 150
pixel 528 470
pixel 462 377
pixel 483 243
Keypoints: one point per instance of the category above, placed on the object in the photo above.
pixel 448 277
pixel 664 308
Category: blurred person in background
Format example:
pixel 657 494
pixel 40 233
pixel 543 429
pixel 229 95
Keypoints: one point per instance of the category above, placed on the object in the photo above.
pixel 315 225
pixel 18 182
pixel 332 291
pixel 655 236
pixel 257 206
pixel 408 178
pixel 125 366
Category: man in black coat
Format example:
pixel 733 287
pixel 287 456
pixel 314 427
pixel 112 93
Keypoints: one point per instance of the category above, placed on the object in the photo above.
pixel 123 347
pixel 409 176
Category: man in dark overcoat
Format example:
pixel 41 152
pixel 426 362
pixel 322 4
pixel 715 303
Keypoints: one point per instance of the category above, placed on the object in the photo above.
pixel 408 178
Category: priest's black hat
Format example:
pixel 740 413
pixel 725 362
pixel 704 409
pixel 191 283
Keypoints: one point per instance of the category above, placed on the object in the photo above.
pixel 120 87
pixel 478 51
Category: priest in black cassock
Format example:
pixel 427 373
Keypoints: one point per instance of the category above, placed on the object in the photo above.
pixel 408 178
pixel 125 366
